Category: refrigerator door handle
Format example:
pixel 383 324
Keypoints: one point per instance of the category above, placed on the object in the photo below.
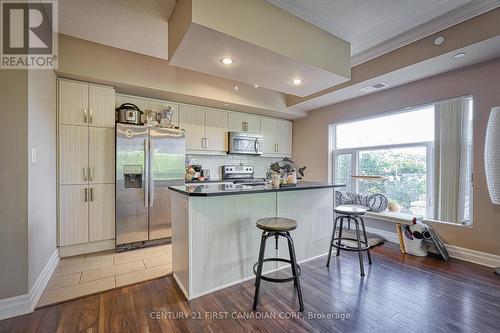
pixel 146 173
pixel 151 183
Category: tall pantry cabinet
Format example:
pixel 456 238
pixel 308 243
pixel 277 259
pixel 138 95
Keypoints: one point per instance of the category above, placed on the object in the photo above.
pixel 86 154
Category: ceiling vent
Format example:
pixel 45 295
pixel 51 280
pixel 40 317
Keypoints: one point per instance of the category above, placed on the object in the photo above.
pixel 374 87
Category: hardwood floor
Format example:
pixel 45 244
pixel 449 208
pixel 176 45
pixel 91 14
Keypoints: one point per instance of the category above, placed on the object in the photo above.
pixel 398 294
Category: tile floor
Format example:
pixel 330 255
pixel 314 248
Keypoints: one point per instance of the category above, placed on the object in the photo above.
pixel 92 273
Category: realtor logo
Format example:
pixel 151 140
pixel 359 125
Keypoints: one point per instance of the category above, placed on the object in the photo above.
pixel 28 30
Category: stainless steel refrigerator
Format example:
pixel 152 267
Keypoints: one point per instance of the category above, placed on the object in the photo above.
pixel 148 161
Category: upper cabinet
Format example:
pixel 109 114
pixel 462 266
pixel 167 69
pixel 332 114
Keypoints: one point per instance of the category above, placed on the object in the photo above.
pixel 144 104
pixel 244 122
pixel 86 105
pixel 277 136
pixel 192 120
pixel 216 124
pixel 206 129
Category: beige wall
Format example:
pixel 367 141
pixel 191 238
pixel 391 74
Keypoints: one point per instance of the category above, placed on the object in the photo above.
pixel 14 183
pixel 142 75
pixel 42 174
pixel 310 139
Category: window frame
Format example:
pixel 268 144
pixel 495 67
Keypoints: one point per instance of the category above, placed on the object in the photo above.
pixel 429 159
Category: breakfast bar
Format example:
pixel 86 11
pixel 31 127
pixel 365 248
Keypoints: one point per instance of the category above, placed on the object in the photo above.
pixel 214 239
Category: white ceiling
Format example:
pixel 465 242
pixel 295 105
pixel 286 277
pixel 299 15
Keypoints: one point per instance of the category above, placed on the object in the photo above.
pixel 136 25
pixel 475 53
pixel 368 25
pixel 202 49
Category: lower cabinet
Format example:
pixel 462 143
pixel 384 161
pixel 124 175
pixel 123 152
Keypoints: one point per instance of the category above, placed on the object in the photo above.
pixel 87 213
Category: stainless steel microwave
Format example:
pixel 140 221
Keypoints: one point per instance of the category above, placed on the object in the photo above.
pixel 245 143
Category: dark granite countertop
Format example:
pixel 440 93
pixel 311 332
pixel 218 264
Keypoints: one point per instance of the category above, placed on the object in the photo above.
pixel 209 190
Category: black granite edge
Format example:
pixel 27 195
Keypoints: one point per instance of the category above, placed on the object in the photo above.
pixel 300 186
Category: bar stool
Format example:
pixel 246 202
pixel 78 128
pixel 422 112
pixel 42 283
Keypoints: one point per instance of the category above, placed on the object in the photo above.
pixel 354 213
pixel 276 226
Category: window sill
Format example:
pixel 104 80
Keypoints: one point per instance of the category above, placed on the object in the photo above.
pixel 402 218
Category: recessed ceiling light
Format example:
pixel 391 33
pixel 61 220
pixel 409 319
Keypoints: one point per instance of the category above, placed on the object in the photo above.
pixel 438 40
pixel 459 55
pixel 227 61
pixel 226 104
pixel 255 85
pixel 296 81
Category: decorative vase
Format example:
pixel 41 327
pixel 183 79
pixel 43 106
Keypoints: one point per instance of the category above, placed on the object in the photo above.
pixel 492 155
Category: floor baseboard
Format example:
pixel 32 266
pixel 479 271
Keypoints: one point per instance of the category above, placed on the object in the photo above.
pixel 42 280
pixel 22 304
pixel 476 257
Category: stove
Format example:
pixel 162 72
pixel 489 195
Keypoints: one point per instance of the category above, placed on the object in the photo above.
pixel 241 174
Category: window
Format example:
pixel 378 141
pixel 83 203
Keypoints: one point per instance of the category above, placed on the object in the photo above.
pixel 413 154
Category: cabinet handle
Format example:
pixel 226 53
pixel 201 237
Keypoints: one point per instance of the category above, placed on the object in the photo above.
pixel 86 198
pixel 91 174
pixel 85 118
pixel 202 142
pixel 244 126
pixel 91 114
pixel 85 174
pixel 206 143
pixel 91 194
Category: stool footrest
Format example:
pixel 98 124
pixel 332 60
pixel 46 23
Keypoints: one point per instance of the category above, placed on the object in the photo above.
pixel 280 280
pixel 364 246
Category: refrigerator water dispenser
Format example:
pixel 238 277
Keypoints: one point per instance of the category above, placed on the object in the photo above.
pixel 132 175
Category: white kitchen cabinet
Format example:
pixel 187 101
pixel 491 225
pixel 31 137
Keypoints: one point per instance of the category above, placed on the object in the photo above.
pixel 236 122
pixel 86 154
pixel 101 212
pixel 73 154
pixel 142 103
pixel 73 102
pixel 242 122
pixel 83 104
pixel 101 106
pixel 277 135
pixel 284 137
pixel 192 119
pixel 253 123
pixel 87 213
pixel 158 106
pixel 216 124
pixel 269 128
pixel 101 155
pixel 73 214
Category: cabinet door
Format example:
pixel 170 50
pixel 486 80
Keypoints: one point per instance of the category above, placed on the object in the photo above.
pixel 102 212
pixel 158 106
pixel 73 103
pixel 236 121
pixel 192 119
pixel 269 132
pixel 73 154
pixel 101 155
pixel 142 103
pixel 73 214
pixel 284 137
pixel 253 123
pixel 216 125
pixel 101 106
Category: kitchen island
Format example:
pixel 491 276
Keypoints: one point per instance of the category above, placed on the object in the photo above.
pixel 215 242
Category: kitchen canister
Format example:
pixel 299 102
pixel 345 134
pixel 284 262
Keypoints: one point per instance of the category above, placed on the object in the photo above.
pixel 492 155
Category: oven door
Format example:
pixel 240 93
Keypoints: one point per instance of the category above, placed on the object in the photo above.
pixel 245 145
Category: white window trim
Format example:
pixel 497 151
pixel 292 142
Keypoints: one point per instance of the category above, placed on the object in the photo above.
pixel 429 145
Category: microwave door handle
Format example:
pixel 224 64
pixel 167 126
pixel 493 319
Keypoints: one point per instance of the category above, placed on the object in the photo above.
pixel 256 145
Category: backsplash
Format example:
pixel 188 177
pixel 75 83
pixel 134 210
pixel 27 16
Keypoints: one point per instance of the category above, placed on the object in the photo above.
pixel 214 163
